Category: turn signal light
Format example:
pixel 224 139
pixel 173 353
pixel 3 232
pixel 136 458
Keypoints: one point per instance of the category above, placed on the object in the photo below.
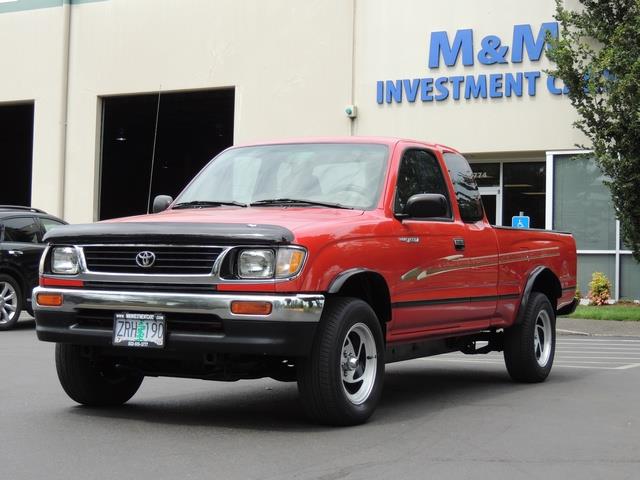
pixel 251 308
pixel 49 299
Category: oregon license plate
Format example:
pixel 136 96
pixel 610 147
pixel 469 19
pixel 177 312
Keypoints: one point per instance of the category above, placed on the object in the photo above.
pixel 132 329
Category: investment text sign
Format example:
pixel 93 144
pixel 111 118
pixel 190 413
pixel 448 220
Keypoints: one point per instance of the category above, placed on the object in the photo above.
pixel 490 50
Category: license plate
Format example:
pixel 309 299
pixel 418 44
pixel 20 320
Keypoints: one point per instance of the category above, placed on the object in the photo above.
pixel 139 329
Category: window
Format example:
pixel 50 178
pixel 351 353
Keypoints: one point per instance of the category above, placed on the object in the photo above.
pixel 524 191
pixel 349 174
pixel 49 223
pixel 486 174
pixel 465 187
pixel 582 203
pixel 419 173
pixel 21 229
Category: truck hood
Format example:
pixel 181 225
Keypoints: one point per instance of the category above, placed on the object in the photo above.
pixel 223 225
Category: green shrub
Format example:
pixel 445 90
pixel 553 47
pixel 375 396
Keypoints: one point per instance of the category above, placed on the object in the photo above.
pixel 599 289
pixel 578 294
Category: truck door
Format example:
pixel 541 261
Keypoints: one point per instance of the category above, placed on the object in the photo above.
pixel 434 288
pixel 479 243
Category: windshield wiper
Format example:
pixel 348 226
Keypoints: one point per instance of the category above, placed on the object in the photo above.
pixel 206 203
pixel 295 201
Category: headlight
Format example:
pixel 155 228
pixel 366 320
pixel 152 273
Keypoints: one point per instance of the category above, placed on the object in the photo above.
pixel 256 263
pixel 263 263
pixel 64 260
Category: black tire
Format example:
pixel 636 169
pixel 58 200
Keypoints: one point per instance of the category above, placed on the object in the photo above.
pixel 11 302
pixel 330 393
pixel 528 361
pixel 89 384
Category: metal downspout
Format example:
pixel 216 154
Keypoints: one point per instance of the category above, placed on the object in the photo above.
pixel 64 102
pixel 352 127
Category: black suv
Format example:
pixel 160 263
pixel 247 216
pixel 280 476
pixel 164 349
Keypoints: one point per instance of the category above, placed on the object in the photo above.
pixel 21 232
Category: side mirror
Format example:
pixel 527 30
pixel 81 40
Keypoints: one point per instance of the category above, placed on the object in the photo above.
pixel 161 202
pixel 426 205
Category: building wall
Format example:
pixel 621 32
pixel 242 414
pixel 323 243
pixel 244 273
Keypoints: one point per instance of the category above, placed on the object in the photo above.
pixel 294 65
pixel 393 40
pixel 32 48
pixel 290 63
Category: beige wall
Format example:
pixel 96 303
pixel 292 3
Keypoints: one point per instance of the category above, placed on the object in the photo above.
pixel 290 62
pixel 393 43
pixel 31 48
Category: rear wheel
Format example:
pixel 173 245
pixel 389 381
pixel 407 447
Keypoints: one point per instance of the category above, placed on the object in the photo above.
pixel 92 383
pixel 11 302
pixel 529 347
pixel 341 382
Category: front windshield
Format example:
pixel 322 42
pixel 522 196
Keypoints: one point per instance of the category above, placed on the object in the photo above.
pixel 347 175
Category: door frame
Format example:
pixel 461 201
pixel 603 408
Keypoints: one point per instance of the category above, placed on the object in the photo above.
pixel 497 192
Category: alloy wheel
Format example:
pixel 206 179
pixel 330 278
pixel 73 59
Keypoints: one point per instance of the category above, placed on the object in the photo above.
pixel 542 338
pixel 358 363
pixel 8 302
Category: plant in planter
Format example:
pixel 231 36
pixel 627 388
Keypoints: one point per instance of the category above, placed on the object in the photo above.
pixel 599 289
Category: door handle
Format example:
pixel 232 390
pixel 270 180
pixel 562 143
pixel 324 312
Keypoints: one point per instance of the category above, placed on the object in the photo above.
pixel 458 243
pixel 15 252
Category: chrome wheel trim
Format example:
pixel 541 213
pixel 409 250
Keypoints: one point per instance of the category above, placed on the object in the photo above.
pixel 358 363
pixel 8 302
pixel 542 338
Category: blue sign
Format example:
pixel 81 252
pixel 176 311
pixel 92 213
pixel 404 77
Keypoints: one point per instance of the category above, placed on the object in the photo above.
pixel 520 222
pixel 491 51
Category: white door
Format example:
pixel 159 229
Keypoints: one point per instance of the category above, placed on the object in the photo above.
pixel 492 201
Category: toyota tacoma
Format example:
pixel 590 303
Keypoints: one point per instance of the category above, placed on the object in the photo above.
pixel 316 261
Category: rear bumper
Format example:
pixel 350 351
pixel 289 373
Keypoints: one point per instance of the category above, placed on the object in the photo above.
pixel 287 331
pixel 568 309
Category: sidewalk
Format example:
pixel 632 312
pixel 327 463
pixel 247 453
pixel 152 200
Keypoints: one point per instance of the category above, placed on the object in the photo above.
pixel 605 328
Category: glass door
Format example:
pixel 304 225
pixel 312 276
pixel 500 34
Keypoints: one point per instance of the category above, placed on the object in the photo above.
pixel 487 176
pixel 492 202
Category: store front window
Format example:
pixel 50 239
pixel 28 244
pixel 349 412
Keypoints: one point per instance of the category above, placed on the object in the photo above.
pixel 582 202
pixel 582 205
pixel 511 188
pixel 524 192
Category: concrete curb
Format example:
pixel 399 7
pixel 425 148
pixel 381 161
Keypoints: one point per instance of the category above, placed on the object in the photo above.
pixel 597 328
pixel 561 331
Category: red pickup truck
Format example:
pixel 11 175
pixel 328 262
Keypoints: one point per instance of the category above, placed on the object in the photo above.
pixel 316 261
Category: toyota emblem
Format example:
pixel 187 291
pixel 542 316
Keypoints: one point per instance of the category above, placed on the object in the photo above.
pixel 146 259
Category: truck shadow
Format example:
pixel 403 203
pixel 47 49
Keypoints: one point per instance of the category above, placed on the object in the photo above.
pixel 412 391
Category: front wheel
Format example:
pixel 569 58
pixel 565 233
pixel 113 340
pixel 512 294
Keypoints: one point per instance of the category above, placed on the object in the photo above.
pixel 529 347
pixel 341 381
pixel 92 383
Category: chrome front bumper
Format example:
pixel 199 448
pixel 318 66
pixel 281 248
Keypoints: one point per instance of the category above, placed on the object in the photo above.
pixel 286 308
pixel 289 330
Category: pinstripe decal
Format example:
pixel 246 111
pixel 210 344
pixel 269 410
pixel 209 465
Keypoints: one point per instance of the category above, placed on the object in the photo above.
pixel 453 263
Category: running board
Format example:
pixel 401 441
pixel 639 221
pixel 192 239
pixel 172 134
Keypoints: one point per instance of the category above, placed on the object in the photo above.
pixel 426 348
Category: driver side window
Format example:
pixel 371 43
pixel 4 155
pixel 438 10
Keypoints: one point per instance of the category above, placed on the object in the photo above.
pixel 419 173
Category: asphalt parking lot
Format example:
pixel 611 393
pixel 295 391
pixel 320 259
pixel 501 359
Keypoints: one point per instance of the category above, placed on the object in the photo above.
pixel 451 416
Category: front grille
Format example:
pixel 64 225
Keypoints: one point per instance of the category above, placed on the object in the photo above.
pixel 168 260
pixel 150 287
pixel 176 322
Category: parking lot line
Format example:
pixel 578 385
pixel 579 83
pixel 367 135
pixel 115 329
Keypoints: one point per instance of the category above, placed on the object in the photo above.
pixel 588 353
pixel 496 362
pixel 627 367
pixel 597 340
